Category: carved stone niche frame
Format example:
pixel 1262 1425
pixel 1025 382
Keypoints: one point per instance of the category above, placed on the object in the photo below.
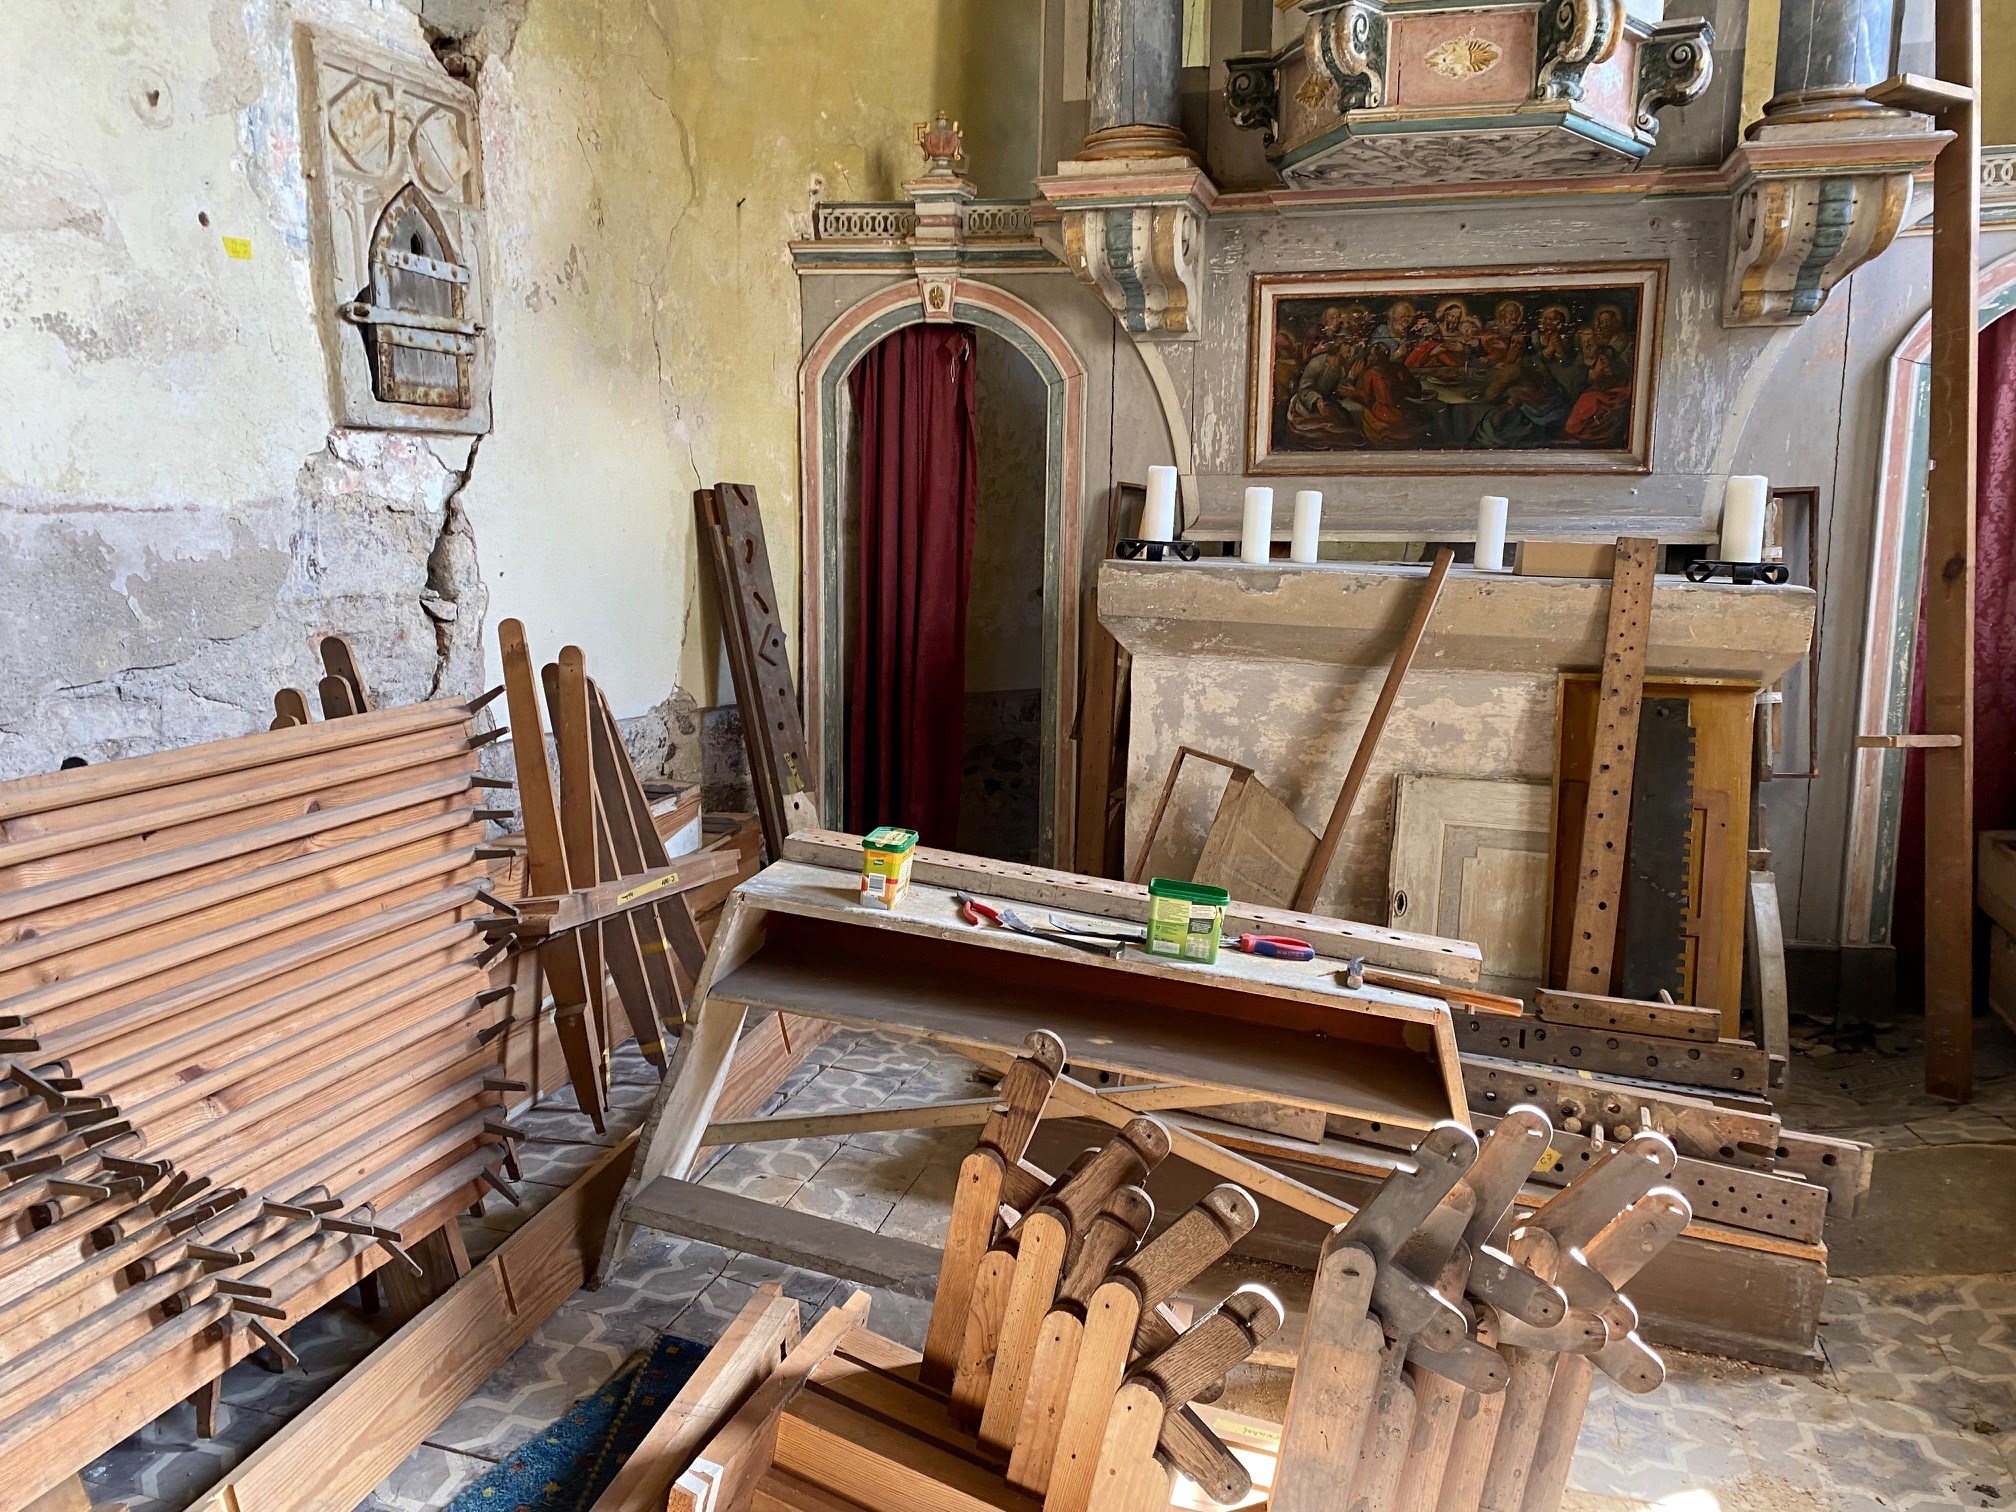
pixel 397 236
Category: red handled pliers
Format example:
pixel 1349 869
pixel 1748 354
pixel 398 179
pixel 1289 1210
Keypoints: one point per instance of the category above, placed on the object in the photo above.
pixel 1281 947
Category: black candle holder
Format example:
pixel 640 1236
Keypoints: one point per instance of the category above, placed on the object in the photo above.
pixel 1740 573
pixel 1132 550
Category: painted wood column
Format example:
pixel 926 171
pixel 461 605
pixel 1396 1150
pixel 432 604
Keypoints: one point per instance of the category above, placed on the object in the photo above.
pixel 1830 53
pixel 1137 68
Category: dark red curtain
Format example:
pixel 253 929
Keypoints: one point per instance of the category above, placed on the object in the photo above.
pixel 1994 650
pixel 918 490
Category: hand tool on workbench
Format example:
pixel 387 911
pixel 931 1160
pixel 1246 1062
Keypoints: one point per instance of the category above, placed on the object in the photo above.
pixel 1280 947
pixel 973 911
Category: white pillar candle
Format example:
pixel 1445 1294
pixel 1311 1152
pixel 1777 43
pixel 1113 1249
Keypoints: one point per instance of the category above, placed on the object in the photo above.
pixel 1490 554
pixel 1158 516
pixel 1256 531
pixel 1743 504
pixel 1308 526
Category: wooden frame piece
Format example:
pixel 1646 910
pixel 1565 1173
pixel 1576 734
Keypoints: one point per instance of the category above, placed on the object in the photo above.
pixel 1599 873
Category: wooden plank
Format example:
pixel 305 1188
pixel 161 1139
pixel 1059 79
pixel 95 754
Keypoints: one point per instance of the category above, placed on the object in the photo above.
pixel 141 774
pixel 539 916
pixel 966 1112
pixel 1765 945
pixel 732 527
pixel 561 961
pixel 1318 871
pixel 1565 559
pixel 1453 960
pixel 1732 1065
pixel 566 685
pixel 1946 646
pixel 1995 877
pixel 1599 879
pixel 728 1466
pixel 1697 1126
pixel 362 1428
pixel 1099 836
pixel 755 1344
pixel 786 1235
pixel 880 1464
pixel 1659 1020
pixel 2002 973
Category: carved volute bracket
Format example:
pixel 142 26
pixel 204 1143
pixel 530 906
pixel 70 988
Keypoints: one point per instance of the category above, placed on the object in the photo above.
pixel 1347 44
pixel 1575 35
pixel 1146 261
pixel 1813 204
pixel 1137 236
pixel 1676 63
pixel 1252 96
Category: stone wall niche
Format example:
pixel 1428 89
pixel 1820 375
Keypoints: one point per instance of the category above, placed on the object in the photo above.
pixel 395 199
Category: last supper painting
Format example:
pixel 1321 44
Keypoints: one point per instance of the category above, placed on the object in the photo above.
pixel 1538 370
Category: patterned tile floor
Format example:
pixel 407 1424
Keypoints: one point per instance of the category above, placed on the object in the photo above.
pixel 1916 1408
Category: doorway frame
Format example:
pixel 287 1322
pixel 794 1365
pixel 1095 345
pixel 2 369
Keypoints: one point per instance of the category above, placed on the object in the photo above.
pixel 1890 641
pixel 821 408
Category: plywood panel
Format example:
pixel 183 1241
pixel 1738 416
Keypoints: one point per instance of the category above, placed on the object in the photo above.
pixel 1470 860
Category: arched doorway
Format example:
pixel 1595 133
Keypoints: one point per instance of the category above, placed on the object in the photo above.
pixel 1890 648
pixel 1994 651
pixel 1013 332
pixel 941 512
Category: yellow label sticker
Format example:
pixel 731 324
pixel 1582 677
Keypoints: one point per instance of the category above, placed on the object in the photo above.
pixel 1586 1075
pixel 238 248
pixel 647 888
pixel 1549 1158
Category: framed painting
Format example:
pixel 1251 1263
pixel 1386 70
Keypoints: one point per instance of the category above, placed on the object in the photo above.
pixel 1545 369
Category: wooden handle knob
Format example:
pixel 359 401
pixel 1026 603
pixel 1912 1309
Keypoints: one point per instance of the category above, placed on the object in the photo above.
pixel 1192 1243
pixel 1243 1321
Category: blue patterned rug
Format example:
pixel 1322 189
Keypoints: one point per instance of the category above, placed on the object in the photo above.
pixel 565 1467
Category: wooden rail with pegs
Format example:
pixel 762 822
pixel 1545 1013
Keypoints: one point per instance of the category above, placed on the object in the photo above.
pixel 244 1062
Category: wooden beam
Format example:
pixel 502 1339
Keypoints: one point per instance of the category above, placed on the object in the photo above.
pixel 786 1235
pixel 1948 643
pixel 1368 741
pixel 1599 872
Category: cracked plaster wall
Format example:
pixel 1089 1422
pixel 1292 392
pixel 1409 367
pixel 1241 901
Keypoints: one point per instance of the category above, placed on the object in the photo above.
pixel 179 516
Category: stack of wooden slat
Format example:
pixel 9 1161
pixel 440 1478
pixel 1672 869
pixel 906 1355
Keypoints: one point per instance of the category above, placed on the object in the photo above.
pixel 248 1052
pixel 1451 1341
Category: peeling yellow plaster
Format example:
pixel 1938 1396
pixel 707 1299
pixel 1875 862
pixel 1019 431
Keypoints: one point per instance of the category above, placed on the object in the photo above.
pixel 645 162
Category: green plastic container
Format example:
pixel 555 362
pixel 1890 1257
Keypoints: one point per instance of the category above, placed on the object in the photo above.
pixel 1185 919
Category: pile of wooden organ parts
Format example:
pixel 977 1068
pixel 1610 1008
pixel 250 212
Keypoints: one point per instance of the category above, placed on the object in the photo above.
pixel 1452 1337
pixel 249 1057
pixel 266 1014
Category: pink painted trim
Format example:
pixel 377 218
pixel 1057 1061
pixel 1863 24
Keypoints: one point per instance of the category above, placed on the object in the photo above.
pixel 813 373
pixel 1879 644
